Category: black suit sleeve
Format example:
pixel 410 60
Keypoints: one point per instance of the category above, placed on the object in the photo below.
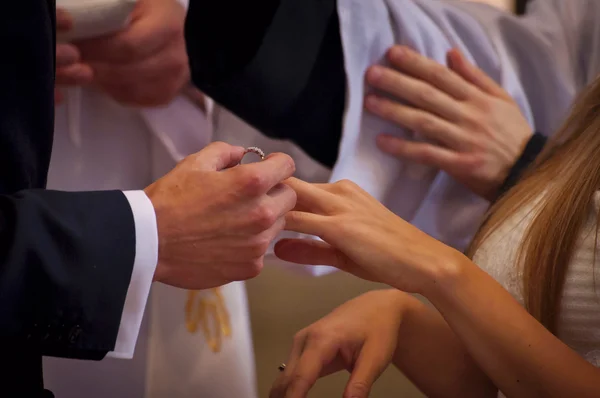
pixel 278 64
pixel 66 263
pixel 65 258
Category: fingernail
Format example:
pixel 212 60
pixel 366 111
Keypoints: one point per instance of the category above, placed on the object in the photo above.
pixel 374 73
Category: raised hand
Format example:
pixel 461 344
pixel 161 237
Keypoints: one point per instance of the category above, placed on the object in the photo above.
pixel 145 64
pixel 359 336
pixel 216 218
pixel 473 129
pixel 363 237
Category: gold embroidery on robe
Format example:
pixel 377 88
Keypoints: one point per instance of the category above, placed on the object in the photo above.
pixel 210 313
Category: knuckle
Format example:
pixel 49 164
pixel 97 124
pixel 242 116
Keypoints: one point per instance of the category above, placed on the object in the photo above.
pixel 253 183
pixel 299 337
pixel 249 270
pixel 425 95
pixel 263 217
pixel 261 245
pixel 439 74
pixel 254 269
pixel 346 186
pixel 357 389
pixel 288 164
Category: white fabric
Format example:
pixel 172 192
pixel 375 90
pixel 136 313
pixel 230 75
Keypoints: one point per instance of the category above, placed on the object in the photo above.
pixel 542 60
pixel 579 319
pixel 146 258
pixel 93 18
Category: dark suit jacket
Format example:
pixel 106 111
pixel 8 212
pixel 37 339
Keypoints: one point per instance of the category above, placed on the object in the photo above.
pixel 279 65
pixel 65 258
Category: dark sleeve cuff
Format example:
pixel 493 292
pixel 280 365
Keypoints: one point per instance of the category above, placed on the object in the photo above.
pixel 533 148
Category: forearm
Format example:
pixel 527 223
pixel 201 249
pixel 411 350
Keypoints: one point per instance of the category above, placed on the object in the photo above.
pixel 518 354
pixel 434 358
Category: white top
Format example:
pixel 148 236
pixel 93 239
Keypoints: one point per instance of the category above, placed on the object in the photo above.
pixel 579 319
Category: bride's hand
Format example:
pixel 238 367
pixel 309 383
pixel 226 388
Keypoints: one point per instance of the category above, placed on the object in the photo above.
pixel 359 336
pixel 363 237
pixel 474 130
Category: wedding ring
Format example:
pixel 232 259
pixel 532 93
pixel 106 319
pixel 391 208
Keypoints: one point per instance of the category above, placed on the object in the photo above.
pixel 282 367
pixel 255 150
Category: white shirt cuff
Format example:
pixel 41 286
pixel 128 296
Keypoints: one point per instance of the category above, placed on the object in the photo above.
pixel 146 257
pixel 184 3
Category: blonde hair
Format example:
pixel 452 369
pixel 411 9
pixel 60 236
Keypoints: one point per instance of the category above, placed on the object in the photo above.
pixel 565 176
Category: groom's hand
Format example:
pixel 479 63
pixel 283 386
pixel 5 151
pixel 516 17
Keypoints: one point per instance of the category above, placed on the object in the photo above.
pixel 216 221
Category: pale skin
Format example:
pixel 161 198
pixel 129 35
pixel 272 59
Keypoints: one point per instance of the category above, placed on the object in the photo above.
pixel 473 129
pixel 145 64
pixel 479 340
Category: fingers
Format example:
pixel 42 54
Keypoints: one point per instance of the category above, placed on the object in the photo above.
pixel 152 81
pixel 66 54
pixel 371 363
pixel 309 367
pixel 429 71
pixel 283 198
pixel 260 177
pixel 415 91
pixel 64 21
pixel 279 387
pixel 307 223
pixel 74 75
pixel 218 156
pixel 459 64
pixel 430 126
pixel 420 152
pixel 69 69
pixel 147 34
pixel 307 251
pixel 311 197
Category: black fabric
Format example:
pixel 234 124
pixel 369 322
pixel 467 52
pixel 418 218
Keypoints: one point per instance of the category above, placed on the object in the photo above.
pixel 280 70
pixel 521 6
pixel 65 258
pixel 533 148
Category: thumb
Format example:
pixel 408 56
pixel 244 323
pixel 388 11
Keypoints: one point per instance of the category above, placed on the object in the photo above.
pixel 218 156
pixel 372 361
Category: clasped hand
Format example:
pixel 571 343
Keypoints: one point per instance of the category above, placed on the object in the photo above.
pixel 145 64
pixel 216 219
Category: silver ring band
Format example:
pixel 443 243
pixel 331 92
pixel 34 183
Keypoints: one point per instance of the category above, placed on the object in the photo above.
pixel 255 150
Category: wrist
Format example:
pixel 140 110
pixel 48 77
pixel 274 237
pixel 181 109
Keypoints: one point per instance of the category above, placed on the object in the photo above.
pixel 446 275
